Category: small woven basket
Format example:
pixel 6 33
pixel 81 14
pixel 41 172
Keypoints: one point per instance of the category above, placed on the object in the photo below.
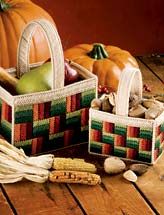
pixel 51 119
pixel 122 136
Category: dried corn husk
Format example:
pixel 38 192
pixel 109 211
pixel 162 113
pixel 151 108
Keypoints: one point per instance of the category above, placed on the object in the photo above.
pixel 65 176
pixel 15 165
pixel 44 161
pixel 73 164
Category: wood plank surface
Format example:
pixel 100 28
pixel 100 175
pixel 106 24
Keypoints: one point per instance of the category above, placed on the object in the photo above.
pixel 157 87
pixel 156 64
pixel 114 196
pixel 5 208
pixel 31 198
pixel 152 187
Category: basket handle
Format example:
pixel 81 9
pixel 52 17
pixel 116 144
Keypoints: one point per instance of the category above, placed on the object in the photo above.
pixel 55 47
pixel 130 81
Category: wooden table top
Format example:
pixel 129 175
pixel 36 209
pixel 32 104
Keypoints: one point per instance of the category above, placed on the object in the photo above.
pixel 113 196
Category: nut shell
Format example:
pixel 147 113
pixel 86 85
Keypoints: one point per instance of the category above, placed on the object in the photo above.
pixel 130 176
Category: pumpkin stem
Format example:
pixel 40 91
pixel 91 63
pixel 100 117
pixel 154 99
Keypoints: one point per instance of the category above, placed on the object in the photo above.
pixel 4 5
pixel 98 52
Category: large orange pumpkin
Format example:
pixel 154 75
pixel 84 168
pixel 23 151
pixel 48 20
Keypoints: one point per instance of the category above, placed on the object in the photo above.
pixel 107 62
pixel 14 15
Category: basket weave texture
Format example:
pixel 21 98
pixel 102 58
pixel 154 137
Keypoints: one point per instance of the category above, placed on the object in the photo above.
pixel 52 119
pixel 122 136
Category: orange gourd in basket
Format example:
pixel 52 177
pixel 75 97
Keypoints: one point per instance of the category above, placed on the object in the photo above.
pixel 14 15
pixel 107 62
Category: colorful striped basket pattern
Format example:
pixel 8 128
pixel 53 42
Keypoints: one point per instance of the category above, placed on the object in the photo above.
pixel 125 141
pixel 50 125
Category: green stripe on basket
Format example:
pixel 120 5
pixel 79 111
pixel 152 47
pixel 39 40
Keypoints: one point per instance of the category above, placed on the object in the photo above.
pixel 41 127
pixel 145 156
pixel 55 136
pixel 108 138
pixel 146 133
pixel 120 129
pixel 5 129
pixel 132 142
pixel 157 143
pixel 119 151
pixel 96 125
pixel 56 141
pixel 24 116
pixel 25 145
pixel 73 118
pixel 162 127
pixel 96 147
pixel 58 107
pixel 23 108
pixel 87 97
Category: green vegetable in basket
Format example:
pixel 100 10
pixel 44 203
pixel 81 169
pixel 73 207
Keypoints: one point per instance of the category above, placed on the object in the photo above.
pixel 36 80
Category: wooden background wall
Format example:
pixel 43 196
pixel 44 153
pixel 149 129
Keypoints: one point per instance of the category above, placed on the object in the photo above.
pixel 134 25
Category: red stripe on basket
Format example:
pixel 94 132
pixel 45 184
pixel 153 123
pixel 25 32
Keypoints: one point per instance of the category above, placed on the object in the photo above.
pixel 23 131
pixel 73 103
pixel 6 112
pixel 41 111
pixel 133 131
pixel 108 127
pixel 37 144
pixel 131 153
pixel 119 140
pixel 68 137
pixel 47 106
pixel 145 145
pixel 78 101
pixel 84 116
pixel 107 149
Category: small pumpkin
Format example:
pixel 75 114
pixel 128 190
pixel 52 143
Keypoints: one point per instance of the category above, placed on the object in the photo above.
pixel 14 15
pixel 107 62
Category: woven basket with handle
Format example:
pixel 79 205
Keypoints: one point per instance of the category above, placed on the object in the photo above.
pixel 122 136
pixel 50 119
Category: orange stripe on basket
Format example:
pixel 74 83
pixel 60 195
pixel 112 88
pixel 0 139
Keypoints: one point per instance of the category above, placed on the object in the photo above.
pixel 54 126
pixel 84 116
pixel 96 135
pixel 68 104
pixel 17 130
pixel 35 112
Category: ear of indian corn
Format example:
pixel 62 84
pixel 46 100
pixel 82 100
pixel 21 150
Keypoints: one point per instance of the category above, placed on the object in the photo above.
pixel 73 164
pixel 65 176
